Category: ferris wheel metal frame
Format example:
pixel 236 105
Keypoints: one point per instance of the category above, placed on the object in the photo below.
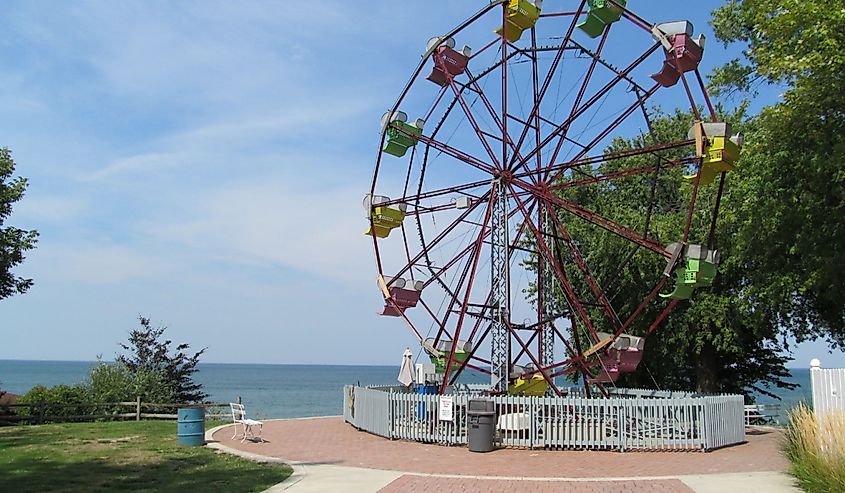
pixel 523 185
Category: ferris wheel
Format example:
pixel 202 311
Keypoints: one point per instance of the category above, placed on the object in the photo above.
pixel 482 209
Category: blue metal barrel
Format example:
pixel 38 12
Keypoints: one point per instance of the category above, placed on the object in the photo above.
pixel 190 426
pixel 424 390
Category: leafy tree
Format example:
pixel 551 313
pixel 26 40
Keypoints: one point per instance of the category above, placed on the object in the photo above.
pixel 791 218
pixel 150 355
pixel 13 241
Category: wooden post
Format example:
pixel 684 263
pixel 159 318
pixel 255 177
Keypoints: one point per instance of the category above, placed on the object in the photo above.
pixel 138 408
pixel 41 410
pixel 239 400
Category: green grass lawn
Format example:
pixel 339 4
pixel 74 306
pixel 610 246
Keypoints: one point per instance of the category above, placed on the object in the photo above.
pixel 121 456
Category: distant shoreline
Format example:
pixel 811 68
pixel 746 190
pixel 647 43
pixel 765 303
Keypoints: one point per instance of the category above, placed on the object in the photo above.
pixel 331 365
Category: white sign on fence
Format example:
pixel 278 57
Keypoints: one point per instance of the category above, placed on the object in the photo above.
pixel 446 406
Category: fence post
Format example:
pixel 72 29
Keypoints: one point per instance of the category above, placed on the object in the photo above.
pixel 239 400
pixel 138 408
pixel 41 410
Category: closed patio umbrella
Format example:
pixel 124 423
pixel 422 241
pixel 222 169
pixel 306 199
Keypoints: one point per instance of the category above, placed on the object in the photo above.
pixel 406 371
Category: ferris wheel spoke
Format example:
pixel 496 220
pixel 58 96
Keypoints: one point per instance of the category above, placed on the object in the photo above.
pixel 581 263
pixel 581 92
pixel 581 161
pixel 479 242
pixel 543 247
pixel 593 100
pixel 647 301
pixel 492 113
pixel 443 234
pixel 472 121
pixel 623 174
pixel 488 300
pixel 457 154
pixel 450 308
pixel 533 359
pixel 605 223
pixel 547 82
pixel 610 128
pixel 633 17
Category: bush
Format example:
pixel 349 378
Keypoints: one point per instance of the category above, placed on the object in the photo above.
pixel 62 398
pixel 816 448
pixel 115 382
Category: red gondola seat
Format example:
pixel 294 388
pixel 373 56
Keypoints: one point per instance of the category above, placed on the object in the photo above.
pixel 683 53
pixel 622 356
pixel 400 295
pixel 448 62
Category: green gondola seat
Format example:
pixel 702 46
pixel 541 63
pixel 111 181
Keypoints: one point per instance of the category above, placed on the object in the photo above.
pixel 721 151
pixel 522 15
pixel 599 15
pixel 401 135
pixel 439 354
pixel 697 270
pixel 385 218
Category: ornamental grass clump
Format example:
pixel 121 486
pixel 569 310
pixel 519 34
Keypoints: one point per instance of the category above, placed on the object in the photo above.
pixel 816 448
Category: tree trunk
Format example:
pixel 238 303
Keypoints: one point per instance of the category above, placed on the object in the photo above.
pixel 706 370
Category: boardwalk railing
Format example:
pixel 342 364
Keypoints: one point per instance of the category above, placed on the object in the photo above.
pixel 42 412
pixel 828 387
pixel 684 422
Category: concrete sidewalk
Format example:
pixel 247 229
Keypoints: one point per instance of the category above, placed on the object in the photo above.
pixel 328 455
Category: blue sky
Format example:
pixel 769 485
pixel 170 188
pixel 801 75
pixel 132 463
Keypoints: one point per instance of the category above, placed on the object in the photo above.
pixel 202 163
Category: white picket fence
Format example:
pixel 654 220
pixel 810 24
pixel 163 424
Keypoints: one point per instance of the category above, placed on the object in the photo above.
pixel 828 385
pixel 684 422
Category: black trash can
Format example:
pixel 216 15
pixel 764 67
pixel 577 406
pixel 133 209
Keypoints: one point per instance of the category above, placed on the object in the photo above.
pixel 481 434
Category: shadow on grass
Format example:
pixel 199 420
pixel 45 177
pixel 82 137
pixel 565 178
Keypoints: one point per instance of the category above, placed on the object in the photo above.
pixel 172 474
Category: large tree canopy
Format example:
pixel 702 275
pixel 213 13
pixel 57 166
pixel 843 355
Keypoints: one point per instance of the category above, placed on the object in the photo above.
pixel 14 242
pixel 792 213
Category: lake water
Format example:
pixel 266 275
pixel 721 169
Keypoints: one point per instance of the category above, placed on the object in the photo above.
pixel 281 391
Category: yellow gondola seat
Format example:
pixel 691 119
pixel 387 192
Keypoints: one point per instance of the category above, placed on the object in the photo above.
pixel 721 151
pixel 698 269
pixel 522 15
pixel 384 218
pixel 401 135
pixel 600 14
pixel 525 381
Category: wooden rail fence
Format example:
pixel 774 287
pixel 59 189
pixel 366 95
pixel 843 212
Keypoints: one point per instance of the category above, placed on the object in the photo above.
pixel 43 412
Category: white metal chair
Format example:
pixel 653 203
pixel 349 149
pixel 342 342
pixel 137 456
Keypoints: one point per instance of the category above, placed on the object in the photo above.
pixel 239 417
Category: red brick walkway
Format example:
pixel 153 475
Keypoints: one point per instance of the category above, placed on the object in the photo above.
pixel 422 484
pixel 331 441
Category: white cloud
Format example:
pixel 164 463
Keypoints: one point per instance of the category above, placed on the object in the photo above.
pixel 279 222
